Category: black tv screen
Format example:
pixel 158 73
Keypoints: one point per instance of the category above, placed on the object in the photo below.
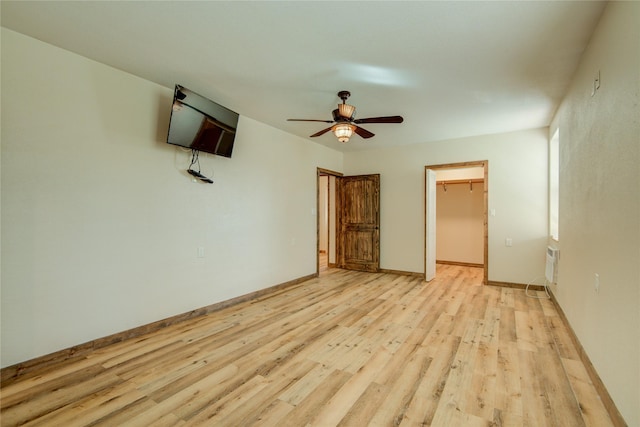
pixel 201 124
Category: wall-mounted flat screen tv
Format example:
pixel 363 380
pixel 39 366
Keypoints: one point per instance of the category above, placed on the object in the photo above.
pixel 201 124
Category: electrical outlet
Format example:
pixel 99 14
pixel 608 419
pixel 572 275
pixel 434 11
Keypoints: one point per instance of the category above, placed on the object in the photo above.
pixel 596 283
pixel 508 242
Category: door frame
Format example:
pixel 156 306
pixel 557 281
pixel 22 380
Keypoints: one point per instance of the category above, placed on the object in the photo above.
pixel 485 165
pixel 324 172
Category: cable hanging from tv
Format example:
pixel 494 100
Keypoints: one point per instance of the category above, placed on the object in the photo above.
pixel 195 160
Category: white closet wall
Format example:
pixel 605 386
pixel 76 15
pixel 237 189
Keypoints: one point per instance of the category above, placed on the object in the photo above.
pixel 460 223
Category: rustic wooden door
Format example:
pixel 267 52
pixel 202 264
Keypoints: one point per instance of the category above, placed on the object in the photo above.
pixel 359 222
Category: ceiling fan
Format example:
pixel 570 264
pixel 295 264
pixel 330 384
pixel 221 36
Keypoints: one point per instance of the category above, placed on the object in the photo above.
pixel 345 121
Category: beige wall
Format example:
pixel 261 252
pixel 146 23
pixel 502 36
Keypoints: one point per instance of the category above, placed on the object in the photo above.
pixel 517 194
pixel 600 205
pixel 101 225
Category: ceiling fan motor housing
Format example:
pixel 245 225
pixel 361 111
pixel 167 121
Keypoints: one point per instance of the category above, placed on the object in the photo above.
pixel 338 118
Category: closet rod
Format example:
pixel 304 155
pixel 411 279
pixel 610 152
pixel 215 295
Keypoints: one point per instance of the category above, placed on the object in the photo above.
pixel 460 181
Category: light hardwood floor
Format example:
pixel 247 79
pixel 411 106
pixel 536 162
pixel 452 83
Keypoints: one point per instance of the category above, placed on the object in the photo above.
pixel 347 348
pixel 323 261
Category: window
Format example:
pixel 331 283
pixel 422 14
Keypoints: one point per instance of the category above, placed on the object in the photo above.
pixel 554 185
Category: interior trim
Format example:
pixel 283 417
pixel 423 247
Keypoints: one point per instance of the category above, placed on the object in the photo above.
pixel 462 264
pixel 515 285
pixel 10 374
pixel 605 397
pixel 485 180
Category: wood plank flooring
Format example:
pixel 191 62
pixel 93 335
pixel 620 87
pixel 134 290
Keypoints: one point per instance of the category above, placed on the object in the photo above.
pixel 345 349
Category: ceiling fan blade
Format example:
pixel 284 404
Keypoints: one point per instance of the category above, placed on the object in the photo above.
pixel 387 119
pixel 309 120
pixel 363 132
pixel 322 132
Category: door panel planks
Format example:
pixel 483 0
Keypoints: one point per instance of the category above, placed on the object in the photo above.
pixel 359 218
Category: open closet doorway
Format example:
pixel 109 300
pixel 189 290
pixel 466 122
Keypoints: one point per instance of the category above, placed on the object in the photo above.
pixel 456 219
pixel 326 201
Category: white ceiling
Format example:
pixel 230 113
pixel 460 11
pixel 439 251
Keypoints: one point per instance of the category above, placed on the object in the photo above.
pixel 451 69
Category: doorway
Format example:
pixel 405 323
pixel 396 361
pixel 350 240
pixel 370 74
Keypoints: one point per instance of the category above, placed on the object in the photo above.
pixel 348 221
pixel 326 215
pixel 473 176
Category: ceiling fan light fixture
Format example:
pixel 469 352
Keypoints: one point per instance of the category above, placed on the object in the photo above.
pixel 346 110
pixel 343 117
pixel 343 131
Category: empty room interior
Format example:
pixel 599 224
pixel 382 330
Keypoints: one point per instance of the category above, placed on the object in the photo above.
pixel 320 213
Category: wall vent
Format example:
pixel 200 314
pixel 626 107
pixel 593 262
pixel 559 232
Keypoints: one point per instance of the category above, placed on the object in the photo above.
pixel 551 267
